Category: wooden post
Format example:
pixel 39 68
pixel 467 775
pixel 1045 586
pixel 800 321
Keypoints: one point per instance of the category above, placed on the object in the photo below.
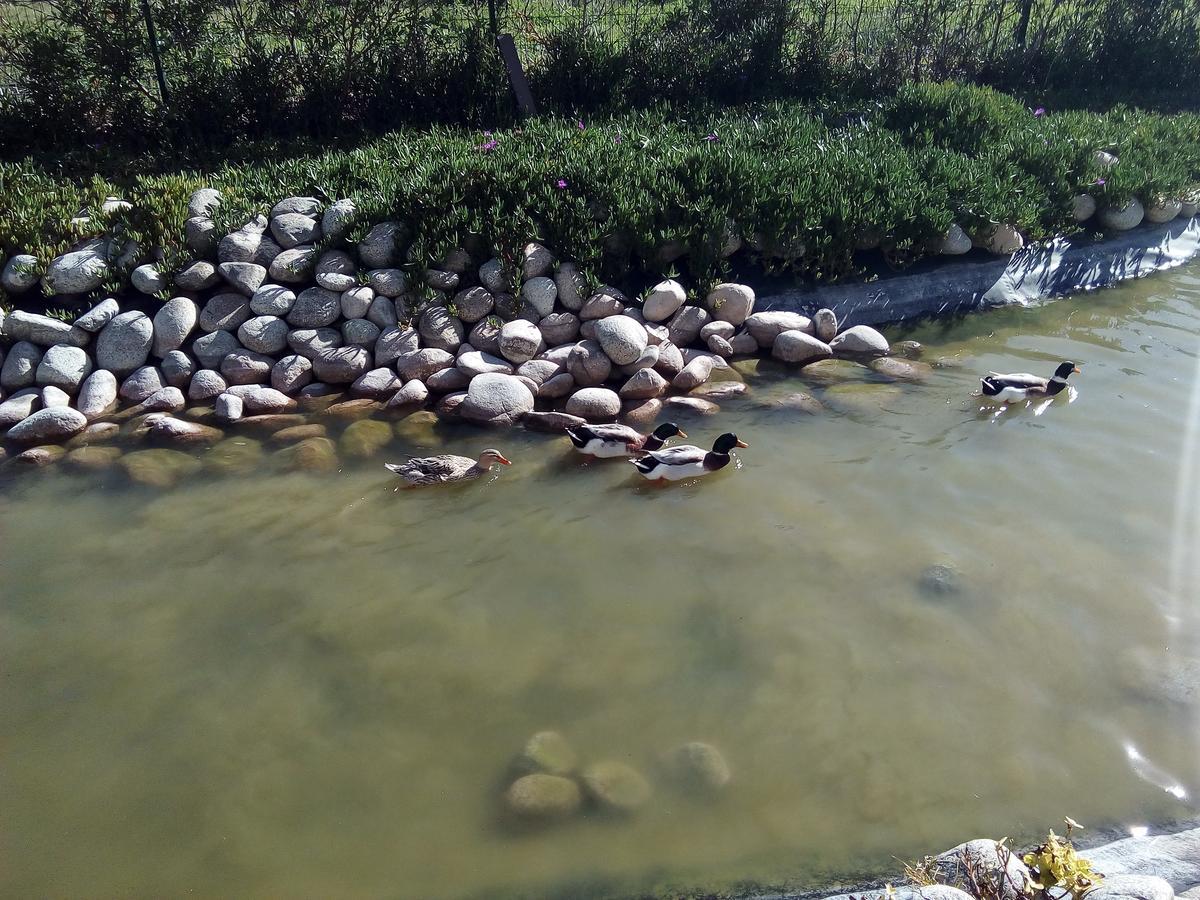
pixel 158 69
pixel 516 75
pixel 1023 23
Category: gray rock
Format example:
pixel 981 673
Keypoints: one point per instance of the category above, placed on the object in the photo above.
pixel 644 384
pixel 799 347
pixel 272 300
pixel 54 396
pixel 360 332
pixel 173 323
pixel 44 331
pixel 616 786
pixel 341 365
pixel 315 307
pixel 604 303
pixel 1173 857
pixel 204 202
pixel 48 426
pixel 148 279
pixel 413 393
pixel 423 363
pixel 670 360
pixel 97 394
pixel 388 282
pixel 224 312
pixel 246 367
pixel 19 407
pixel 244 277
pixel 261 400
pixel 393 343
pixel 664 300
pixel 229 408
pixel 494 399
pixel 337 219
pixel 167 429
pixel 177 368
pixel 556 387
pixel 381 384
pixel 473 304
pixel 720 346
pixel 20 274
pixel 486 335
pixel 294 266
pixel 197 276
pixel 1132 887
pixel 718 329
pixel 539 295
pixel 99 315
pixel 167 399
pixel 241 245
pixel 559 328
pixel 305 206
pixel 200 235
pixel 64 367
pixel 336 271
pixel 572 288
pixel 356 302
pixel 596 404
pixel 476 362
pixel 210 349
pixel 901 369
pixel 987 862
pixel 293 229
pixel 308 342
pixel 439 329
pixel 291 374
pixel 494 276
pixel 536 261
pixel 685 325
pixel 621 338
pixel 859 340
pixel 446 380
pixel 694 374
pixel 380 248
pixel 124 343
pixel 551 422
pixel 264 334
pixel 825 324
pixel 588 364
pixel 642 414
pixel 77 272
pixel 694 405
pixel 766 326
pixel 543 798
pixel 699 766
pixel 720 390
pixel 383 312
pixel 1124 216
pixel 520 341
pixel 930 892
pixel 206 384
pixel 141 384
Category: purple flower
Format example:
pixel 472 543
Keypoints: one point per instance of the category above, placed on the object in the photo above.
pixel 561 184
pixel 711 137
pixel 579 124
pixel 617 138
pixel 1039 112
pixel 1100 181
pixel 489 145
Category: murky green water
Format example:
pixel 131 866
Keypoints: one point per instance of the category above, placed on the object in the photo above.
pixel 298 685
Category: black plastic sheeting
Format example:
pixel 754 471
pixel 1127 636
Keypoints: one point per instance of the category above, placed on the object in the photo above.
pixel 1039 272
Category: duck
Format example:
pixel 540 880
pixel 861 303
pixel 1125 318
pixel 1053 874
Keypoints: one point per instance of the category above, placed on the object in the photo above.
pixel 607 441
pixel 422 470
pixel 1021 386
pixel 687 461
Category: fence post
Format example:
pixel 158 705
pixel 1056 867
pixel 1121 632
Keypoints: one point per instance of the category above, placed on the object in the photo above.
pixel 158 69
pixel 1023 23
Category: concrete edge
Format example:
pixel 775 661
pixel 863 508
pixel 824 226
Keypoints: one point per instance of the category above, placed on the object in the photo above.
pixel 1055 268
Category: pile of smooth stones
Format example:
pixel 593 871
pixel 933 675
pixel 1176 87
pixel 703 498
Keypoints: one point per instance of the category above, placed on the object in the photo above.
pixel 283 327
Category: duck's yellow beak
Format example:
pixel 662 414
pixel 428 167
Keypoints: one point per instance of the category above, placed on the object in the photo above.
pixel 742 444
pixel 682 433
pixel 1076 370
pixel 503 461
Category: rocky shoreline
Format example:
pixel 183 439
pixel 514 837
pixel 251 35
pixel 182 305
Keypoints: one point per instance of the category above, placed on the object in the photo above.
pixel 274 327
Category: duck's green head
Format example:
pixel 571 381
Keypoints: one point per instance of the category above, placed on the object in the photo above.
pixel 727 442
pixel 668 430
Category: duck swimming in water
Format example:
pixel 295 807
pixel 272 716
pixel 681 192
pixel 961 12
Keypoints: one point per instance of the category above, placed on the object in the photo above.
pixel 687 461
pixel 1022 386
pixel 421 470
pixel 607 441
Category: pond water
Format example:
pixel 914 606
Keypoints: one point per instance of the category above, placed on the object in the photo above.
pixel 300 685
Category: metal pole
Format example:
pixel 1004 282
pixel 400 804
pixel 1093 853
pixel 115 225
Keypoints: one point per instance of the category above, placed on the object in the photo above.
pixel 158 69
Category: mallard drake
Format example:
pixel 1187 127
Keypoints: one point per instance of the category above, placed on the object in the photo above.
pixel 443 469
pixel 607 441
pixel 687 461
pixel 1021 386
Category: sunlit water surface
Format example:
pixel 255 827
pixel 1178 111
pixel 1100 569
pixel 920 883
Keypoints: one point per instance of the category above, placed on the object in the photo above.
pixel 298 685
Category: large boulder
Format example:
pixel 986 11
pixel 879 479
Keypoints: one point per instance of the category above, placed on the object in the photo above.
pixel 341 365
pixel 520 341
pixel 77 272
pixel 173 322
pixel 541 797
pixel 799 347
pixel 291 374
pixel 247 367
pixel 766 326
pixel 97 394
pixel 395 342
pixel 244 277
pixel 571 286
pixel 99 315
pixel 731 303
pixel 65 367
pixel 476 362
pixel 643 385
pixel 48 426
pixel 685 326
pixel 294 266
pixel 694 374
pixel 356 302
pixel 379 249
pixel 224 312
pixel 177 368
pixel 124 343
pixel 272 300
pixel 315 307
pixel 588 364
pixel 559 328
pixel 263 334
pixel 495 399
pixel 198 275
pixel 20 273
pixel 206 384
pixel 860 340
pixel 1123 216
pixel 381 384
pixel 622 338
pixel 18 407
pixel 388 282
pixel 241 245
pixel 993 866
pixel 602 304
pixel 143 382
pixel 45 331
pixel 423 363
pixel 536 261
pixel 596 404
pixel 336 271
pixel 293 229
pixel 308 342
pixel 664 300
pixel 210 349
pixel 616 786
pixel 539 295
pixel 360 332
pixel 204 202
pixel 439 329
pixel 338 218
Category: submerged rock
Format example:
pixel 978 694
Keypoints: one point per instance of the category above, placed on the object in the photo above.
pixel 365 438
pixel 616 786
pixel 93 459
pixel 699 766
pixel 159 468
pixel 940 581
pixel 542 797
pixel 548 752
pixel 234 456
pixel 310 455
